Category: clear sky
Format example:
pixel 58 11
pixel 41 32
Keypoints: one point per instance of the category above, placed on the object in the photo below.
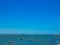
pixel 30 16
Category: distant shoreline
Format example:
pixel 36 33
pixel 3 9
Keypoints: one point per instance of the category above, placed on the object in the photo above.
pixel 32 34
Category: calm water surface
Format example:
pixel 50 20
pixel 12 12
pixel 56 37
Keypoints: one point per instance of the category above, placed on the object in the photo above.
pixel 30 39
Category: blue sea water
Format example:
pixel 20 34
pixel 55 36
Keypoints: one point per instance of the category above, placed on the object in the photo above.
pixel 30 39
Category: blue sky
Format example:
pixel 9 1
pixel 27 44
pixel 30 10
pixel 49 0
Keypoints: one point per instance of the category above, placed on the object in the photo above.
pixel 30 16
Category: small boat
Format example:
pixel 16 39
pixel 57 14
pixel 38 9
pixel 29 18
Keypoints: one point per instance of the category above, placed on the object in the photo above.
pixel 21 39
pixel 10 41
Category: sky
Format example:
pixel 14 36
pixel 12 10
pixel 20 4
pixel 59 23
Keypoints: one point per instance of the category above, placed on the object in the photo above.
pixel 30 16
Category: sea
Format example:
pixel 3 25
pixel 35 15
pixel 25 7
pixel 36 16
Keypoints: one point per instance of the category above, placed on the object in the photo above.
pixel 13 39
